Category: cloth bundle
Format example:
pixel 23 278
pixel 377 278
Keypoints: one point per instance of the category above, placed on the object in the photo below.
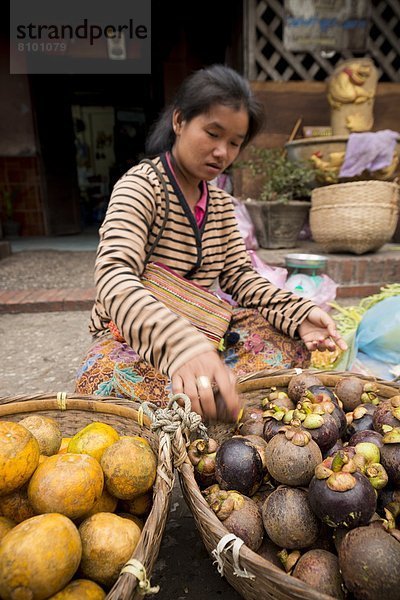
pixel 369 151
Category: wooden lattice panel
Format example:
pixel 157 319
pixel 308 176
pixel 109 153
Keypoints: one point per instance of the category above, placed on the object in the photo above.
pixel 267 59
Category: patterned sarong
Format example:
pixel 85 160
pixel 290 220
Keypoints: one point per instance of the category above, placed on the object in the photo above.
pixel 112 368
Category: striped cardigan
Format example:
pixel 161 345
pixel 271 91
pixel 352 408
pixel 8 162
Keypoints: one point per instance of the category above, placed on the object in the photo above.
pixel 214 251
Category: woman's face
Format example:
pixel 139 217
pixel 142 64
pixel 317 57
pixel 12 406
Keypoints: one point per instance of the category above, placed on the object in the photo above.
pixel 209 143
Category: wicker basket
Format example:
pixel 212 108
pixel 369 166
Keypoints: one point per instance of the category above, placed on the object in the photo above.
pixel 73 412
pixel 268 582
pixel 355 217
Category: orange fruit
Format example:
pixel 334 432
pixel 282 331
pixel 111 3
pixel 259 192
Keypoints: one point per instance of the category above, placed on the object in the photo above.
pixel 16 505
pixel 108 541
pixel 39 557
pixel 129 467
pixel 80 589
pixel 64 445
pixel 69 484
pixel 140 505
pixel 93 439
pixel 47 432
pixel 106 503
pixel 5 526
pixel 19 456
pixel 133 518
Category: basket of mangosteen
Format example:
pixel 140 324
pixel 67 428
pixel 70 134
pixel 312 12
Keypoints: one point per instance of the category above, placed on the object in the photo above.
pixel 300 499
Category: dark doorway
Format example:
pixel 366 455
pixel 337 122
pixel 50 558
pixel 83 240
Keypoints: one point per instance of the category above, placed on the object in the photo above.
pixel 183 39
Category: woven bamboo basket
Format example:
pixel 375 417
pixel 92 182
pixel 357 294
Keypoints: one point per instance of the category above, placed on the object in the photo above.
pixel 355 217
pixel 251 575
pixel 72 412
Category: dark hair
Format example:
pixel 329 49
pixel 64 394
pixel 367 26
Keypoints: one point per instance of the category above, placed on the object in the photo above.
pixel 200 91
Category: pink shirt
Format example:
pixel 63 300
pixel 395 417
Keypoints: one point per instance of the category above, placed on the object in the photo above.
pixel 201 204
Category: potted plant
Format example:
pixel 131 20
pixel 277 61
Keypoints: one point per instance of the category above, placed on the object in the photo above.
pixel 284 189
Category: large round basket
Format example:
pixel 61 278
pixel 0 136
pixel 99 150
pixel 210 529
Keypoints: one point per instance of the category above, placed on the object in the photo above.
pixel 356 217
pixel 72 412
pixel 251 575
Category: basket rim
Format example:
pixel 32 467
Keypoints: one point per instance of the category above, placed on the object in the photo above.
pixel 362 208
pixel 63 402
pixel 260 379
pixel 197 502
pixel 348 184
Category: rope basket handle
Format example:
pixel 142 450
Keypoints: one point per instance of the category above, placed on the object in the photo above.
pixel 177 422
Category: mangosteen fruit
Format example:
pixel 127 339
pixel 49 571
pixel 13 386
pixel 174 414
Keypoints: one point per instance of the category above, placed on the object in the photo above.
pixel 390 455
pixel 202 455
pixel 288 519
pixel 300 383
pixel 335 448
pixel 260 445
pixel 352 391
pixel 360 419
pixel 240 515
pixel 317 419
pixel 266 488
pixel 327 400
pixel 340 495
pixel 387 413
pixel 278 398
pixel 364 458
pixel 238 466
pixel 369 451
pixel 250 412
pixel 292 456
pixel 389 498
pixel 289 559
pixel 369 560
pixel 253 424
pixel 274 420
pixel 321 393
pixel 340 416
pixel 270 552
pixel 366 435
pixel 320 570
pixel 324 540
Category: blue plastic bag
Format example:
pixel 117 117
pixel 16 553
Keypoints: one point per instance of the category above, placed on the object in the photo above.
pixel 378 334
pixel 377 340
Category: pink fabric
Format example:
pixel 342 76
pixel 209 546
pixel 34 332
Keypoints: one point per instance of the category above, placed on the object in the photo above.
pixel 201 204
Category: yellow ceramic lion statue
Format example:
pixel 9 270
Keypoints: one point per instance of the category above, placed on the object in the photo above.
pixel 350 92
pixel 347 85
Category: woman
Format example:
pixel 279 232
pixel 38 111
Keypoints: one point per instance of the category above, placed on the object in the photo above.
pixel 153 350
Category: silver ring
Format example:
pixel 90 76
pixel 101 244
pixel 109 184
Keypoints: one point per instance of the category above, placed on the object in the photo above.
pixel 203 382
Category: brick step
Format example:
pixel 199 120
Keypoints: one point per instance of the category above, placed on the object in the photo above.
pixel 349 271
pixel 356 276
pixel 45 300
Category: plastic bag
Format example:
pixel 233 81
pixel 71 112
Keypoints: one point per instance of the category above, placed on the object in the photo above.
pixel 276 275
pixel 321 289
pixel 374 348
pixel 245 224
pixel 378 334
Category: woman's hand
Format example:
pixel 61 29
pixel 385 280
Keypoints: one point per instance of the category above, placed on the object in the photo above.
pixel 197 377
pixel 318 331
